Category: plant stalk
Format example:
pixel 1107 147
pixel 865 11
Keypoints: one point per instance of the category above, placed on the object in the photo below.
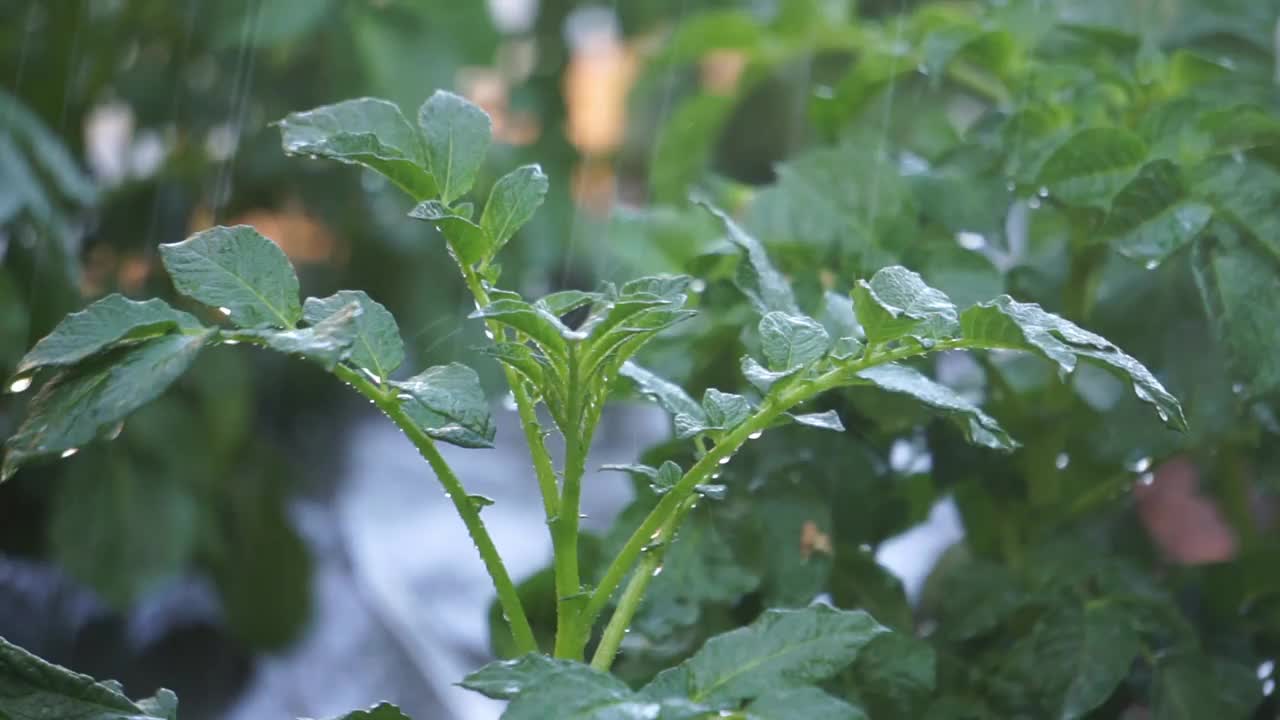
pixel 569 636
pixel 508 598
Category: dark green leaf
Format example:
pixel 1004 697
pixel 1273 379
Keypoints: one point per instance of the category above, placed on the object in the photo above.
pixel 720 411
pixel 540 325
pixel 897 302
pixel 783 649
pixel 505 679
pixel 467 241
pixel 1241 291
pixel 366 131
pixel 803 702
pixel 758 279
pixel 761 378
pixel 328 342
pixel 512 201
pixel 1088 655
pixel 111 320
pixel 381 711
pixel 791 341
pixel 1192 687
pixel 1092 166
pixel 580 692
pixel 240 272
pixel 1245 192
pixel 32 689
pixel 895 675
pixel 978 427
pixel 378 347
pixel 452 392
pixel 86 402
pixel 1152 217
pixel 1007 324
pixel 457 137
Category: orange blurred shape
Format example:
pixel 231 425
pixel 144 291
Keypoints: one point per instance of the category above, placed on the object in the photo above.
pixel 813 540
pixel 303 238
pixel 1184 524
pixel 489 88
pixel 596 84
pixel 594 186
pixel 721 69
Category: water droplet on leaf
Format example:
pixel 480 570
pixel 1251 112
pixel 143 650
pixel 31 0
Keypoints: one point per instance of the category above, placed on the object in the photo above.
pixel 69 452
pixel 20 385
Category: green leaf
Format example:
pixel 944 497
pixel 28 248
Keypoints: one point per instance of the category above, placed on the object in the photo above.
pixel 111 320
pixel 668 395
pixel 453 393
pixel 763 379
pixel 1092 166
pixel 366 131
pixel 803 702
pixel 512 201
pixel 86 402
pixel 1192 687
pixel 684 145
pixel 895 675
pixel 783 649
pixel 979 428
pixel 240 272
pixel 791 341
pixel 721 411
pixel 32 689
pixel 580 692
pixel 1241 291
pixel 539 324
pixel 164 704
pixel 828 420
pixel 896 302
pixel 1245 192
pixel 1004 323
pixel 766 288
pixel 457 137
pixel 1088 654
pixel 467 241
pixel 381 711
pixel 1153 216
pixel 505 679
pixel 378 347
pixel 328 342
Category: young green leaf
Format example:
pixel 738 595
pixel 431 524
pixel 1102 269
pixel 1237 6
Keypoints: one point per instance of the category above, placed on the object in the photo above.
pixel 378 347
pixel 451 392
pixel 467 241
pixel 897 303
pixel 457 137
pixel 803 702
pixel 1191 687
pixel 381 711
pixel 366 131
pixel 111 320
pixel 757 278
pixel 1004 323
pixel 580 692
pixel 1087 655
pixel 240 272
pixel 539 324
pixel 763 379
pixel 85 402
pixel 1092 166
pixel 978 427
pixel 1154 216
pixel 31 688
pixel 328 342
pixel 783 649
pixel 791 341
pixel 512 201
pixel 1241 292
pixel 721 411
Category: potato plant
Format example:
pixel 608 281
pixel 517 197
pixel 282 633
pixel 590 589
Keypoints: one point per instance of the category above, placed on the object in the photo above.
pixel 741 581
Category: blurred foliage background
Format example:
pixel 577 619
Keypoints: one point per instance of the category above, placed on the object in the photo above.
pixel 129 123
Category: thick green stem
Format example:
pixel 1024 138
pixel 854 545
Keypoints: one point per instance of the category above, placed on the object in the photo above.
pixel 508 598
pixel 569 636
pixel 629 603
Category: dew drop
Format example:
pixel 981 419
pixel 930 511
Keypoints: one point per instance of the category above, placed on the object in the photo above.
pixel 225 311
pixel 229 341
pixel 1062 461
pixel 69 452
pixel 20 385
pixel 1043 192
pixel 1265 669
pixel 715 476
pixel 1151 264
pixel 448 496
pixel 488 333
pixel 698 285
pixel 725 460
pixel 970 240
pixel 755 435
pixel 1147 479
pixel 1140 465
pixel 1237 388
pixel 1034 203
pixel 657 571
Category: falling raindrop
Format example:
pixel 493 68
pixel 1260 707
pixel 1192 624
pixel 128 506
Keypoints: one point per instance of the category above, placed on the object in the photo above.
pixel 971 240
pixel 20 385
pixel 69 452
pixel 509 401
pixel 698 285
pixel 1265 669
pixel 1062 461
